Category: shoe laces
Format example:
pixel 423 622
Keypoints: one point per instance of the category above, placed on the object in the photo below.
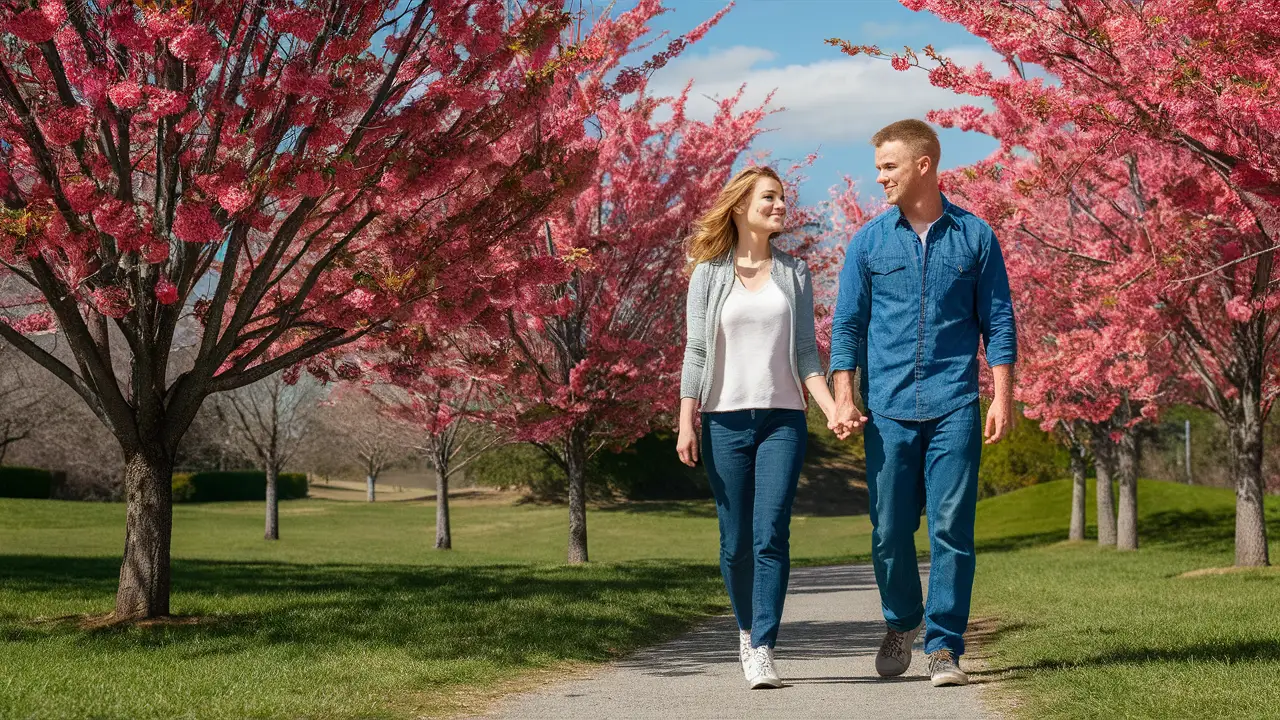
pixel 893 642
pixel 940 660
pixel 763 660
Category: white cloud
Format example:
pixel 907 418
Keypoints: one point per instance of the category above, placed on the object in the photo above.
pixel 838 100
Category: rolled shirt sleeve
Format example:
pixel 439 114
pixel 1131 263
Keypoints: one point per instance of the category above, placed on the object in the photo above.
pixel 995 307
pixel 853 307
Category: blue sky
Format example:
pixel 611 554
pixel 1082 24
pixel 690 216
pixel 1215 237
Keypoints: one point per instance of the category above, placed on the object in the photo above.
pixel 833 102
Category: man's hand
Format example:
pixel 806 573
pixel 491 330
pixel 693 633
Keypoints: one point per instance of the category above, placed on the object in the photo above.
pixel 998 419
pixel 847 419
pixel 1000 414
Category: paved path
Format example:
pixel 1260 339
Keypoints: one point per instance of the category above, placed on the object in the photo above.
pixel 831 630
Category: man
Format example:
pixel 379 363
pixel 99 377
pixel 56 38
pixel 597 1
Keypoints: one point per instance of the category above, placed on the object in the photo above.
pixel 920 284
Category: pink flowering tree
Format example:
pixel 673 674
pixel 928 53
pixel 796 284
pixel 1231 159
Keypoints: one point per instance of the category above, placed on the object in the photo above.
pixel 596 347
pixel 1105 242
pixel 1198 81
pixel 197 196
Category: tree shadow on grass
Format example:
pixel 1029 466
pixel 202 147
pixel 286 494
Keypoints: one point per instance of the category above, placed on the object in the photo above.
pixel 674 508
pixel 508 615
pixel 1208 652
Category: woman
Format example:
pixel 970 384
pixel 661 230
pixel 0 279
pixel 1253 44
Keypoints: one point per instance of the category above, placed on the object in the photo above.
pixel 750 343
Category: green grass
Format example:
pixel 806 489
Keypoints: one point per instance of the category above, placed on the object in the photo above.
pixel 352 614
pixel 1086 632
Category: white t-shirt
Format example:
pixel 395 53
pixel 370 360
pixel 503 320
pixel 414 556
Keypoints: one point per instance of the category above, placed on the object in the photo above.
pixel 753 353
pixel 924 234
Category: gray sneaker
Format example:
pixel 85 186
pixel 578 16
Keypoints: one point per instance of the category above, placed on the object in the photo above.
pixel 895 652
pixel 944 669
pixel 744 650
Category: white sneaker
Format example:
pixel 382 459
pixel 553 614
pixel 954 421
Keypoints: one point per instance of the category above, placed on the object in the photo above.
pixel 760 671
pixel 895 652
pixel 744 650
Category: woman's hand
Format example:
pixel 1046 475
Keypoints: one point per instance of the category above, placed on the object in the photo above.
pixel 687 444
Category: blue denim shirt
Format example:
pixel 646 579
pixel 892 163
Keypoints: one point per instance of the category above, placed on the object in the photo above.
pixel 910 317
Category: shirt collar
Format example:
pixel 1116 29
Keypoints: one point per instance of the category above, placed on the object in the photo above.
pixel 948 211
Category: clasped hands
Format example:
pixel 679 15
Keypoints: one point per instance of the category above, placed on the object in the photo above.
pixel 845 420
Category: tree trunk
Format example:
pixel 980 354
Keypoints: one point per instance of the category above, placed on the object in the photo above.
pixel 273 504
pixel 1127 469
pixel 1078 492
pixel 576 463
pixel 1103 453
pixel 144 571
pixel 369 481
pixel 444 541
pixel 1246 459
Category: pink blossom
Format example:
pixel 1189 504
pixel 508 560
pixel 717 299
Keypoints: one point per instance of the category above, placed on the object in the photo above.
pixel 37 323
pixel 194 223
pixel 235 198
pixel 166 291
pixel 112 301
pixel 1239 309
pixel 125 95
pixel 193 44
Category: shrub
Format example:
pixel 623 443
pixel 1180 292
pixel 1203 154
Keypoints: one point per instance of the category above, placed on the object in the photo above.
pixel 235 485
pixel 520 466
pixel 26 482
pixel 1026 456
pixel 647 470
pixel 650 470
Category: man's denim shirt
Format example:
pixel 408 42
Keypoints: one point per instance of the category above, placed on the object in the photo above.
pixel 917 341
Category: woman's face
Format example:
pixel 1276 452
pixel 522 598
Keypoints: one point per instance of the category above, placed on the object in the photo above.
pixel 765 209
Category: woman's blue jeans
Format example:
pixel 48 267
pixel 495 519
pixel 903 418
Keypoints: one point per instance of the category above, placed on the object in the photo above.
pixel 753 460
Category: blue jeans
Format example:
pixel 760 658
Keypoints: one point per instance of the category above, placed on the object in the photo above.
pixel 753 460
pixel 930 465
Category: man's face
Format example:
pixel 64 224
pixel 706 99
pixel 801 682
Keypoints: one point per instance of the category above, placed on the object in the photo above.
pixel 900 171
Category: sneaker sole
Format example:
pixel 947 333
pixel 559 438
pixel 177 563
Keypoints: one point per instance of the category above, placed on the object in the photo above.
pixel 949 679
pixel 882 673
pixel 766 684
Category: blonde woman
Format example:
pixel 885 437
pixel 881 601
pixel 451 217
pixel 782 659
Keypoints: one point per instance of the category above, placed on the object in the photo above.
pixel 750 353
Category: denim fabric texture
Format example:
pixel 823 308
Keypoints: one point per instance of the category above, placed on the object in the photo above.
pixel 911 317
pixel 709 287
pixel 753 460
pixel 932 466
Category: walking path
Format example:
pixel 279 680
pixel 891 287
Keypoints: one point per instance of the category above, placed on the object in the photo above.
pixel 831 631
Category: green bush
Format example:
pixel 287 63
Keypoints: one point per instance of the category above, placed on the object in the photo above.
pixel 520 466
pixel 650 470
pixel 183 490
pixel 647 470
pixel 235 485
pixel 26 482
pixel 1026 456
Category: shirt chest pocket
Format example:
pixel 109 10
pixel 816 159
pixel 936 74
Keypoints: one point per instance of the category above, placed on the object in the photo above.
pixel 956 276
pixel 888 273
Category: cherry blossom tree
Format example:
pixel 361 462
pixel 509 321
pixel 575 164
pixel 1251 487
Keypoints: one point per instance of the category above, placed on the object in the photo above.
pixel 264 183
pixel 1187 94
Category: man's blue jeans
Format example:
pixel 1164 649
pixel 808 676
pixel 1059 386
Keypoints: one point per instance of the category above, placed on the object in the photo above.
pixel 753 460
pixel 930 465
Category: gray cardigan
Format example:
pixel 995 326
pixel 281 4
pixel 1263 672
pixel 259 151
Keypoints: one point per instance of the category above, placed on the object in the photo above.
pixel 710 285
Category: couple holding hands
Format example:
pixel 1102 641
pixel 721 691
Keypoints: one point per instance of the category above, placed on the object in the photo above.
pixel 921 283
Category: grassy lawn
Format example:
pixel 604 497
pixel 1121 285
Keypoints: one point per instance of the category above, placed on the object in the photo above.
pixel 353 615
pixel 1083 632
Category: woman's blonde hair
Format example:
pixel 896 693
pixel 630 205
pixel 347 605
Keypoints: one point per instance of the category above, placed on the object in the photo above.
pixel 714 234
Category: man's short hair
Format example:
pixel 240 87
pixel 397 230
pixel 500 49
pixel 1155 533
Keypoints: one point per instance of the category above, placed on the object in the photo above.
pixel 915 134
